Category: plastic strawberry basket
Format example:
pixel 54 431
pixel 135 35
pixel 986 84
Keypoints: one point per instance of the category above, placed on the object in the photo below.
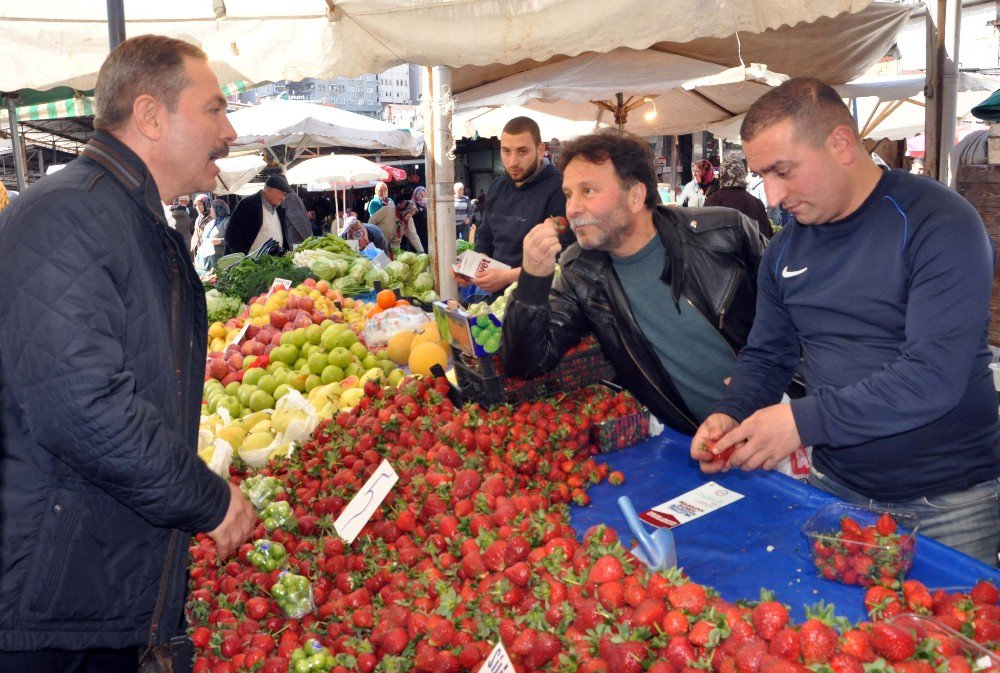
pixel 481 379
pixel 622 432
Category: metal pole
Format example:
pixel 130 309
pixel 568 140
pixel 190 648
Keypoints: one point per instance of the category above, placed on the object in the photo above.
pixel 934 19
pixel 949 87
pixel 16 147
pixel 440 168
pixel 116 23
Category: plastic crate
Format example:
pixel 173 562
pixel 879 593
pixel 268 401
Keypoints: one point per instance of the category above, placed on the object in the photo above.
pixel 622 432
pixel 482 380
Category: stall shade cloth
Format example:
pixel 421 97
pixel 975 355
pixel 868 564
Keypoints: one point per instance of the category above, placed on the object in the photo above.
pixel 304 124
pixel 754 542
pixel 234 172
pixel 336 169
pixel 260 40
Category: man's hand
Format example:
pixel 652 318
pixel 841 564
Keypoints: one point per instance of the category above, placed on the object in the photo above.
pixel 713 429
pixel 767 436
pixel 541 249
pixel 235 529
pixel 495 280
pixel 462 281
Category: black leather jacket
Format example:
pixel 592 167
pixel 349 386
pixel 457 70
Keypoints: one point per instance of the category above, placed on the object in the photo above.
pixel 711 262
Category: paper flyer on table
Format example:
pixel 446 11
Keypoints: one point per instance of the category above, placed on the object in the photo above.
pixel 691 505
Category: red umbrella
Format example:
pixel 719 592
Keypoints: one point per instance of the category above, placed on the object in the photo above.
pixel 394 173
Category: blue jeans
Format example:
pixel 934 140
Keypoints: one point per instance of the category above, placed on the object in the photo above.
pixel 968 520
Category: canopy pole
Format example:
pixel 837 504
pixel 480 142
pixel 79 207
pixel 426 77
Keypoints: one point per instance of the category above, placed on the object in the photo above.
pixel 436 84
pixel 943 20
pixel 116 23
pixel 17 149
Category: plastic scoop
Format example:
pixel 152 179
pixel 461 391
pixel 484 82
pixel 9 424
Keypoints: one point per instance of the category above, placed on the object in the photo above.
pixel 657 550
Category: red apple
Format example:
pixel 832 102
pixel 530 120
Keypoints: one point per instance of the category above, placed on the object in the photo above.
pixel 276 339
pixel 235 361
pixel 292 301
pixel 279 319
pixel 306 304
pixel 252 331
pixel 318 317
pixel 256 348
pixel 268 348
pixel 246 347
pixel 218 369
pixel 230 377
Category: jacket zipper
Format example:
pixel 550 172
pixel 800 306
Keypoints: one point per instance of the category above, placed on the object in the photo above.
pixel 695 309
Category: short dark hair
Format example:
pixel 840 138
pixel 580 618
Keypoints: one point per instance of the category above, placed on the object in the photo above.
pixel 629 154
pixel 814 107
pixel 147 64
pixel 519 125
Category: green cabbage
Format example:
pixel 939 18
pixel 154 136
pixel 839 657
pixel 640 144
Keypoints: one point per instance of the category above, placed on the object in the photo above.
pixel 421 263
pixel 423 282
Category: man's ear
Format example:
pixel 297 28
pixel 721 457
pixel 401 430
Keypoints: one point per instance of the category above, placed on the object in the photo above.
pixel 148 116
pixel 842 141
pixel 636 197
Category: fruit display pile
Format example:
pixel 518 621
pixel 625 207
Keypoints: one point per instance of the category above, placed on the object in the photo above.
pixel 473 546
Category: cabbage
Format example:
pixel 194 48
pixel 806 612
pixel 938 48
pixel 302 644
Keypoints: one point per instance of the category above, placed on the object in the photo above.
pixel 423 282
pixel 341 268
pixel 428 296
pixel 406 257
pixel 374 275
pixel 421 263
pixel 324 268
pixel 398 271
pixel 221 308
pixel 360 268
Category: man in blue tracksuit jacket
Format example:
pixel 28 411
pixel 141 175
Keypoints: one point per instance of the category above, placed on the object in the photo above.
pixel 883 284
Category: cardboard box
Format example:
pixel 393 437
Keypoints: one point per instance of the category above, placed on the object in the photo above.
pixel 469 263
pixel 460 329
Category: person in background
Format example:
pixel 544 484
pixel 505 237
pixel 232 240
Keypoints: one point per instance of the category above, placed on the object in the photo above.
pixel 272 213
pixel 883 282
pixel 668 292
pixel 397 222
pixel 354 230
pixel 380 200
pixel 314 224
pixel 213 242
pixel 202 203
pixel 182 224
pixel 185 202
pixel 463 212
pixel 702 185
pixel 732 193
pixel 420 217
pixel 526 194
pixel 100 399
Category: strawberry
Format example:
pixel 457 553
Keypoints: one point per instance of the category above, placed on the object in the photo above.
pixel 768 618
pixel 674 623
pixel 748 657
pixel 957 663
pixel 524 643
pixel 916 597
pixel 701 633
pixel 881 602
pixel 786 645
pixel 818 641
pixel 606 569
pixel 984 593
pixel 912 666
pixel 547 647
pixel 688 597
pixel 611 595
pixel 559 222
pixel 841 662
pixel 849 526
pixel 649 612
pixel 985 630
pixel 395 641
pixel 680 652
pixel 772 664
pixel 857 643
pixel 627 657
pixel 885 525
pixel 892 642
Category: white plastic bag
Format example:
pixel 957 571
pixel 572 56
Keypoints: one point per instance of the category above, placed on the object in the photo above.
pixel 382 326
pixel 301 426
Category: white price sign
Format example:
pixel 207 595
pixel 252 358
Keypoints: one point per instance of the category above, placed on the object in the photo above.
pixel 361 507
pixel 279 282
pixel 242 333
pixel 498 661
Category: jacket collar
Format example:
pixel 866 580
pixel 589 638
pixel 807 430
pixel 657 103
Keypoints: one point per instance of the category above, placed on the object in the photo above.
pixel 128 169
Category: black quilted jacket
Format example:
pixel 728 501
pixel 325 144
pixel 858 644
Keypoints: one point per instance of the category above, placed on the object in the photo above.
pixel 711 261
pixel 102 347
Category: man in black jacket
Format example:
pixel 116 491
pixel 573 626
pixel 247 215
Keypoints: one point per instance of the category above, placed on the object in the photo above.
pixel 526 194
pixel 102 351
pixel 275 212
pixel 668 292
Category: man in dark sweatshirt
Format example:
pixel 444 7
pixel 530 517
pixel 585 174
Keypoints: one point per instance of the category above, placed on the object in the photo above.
pixel 524 196
pixel 884 283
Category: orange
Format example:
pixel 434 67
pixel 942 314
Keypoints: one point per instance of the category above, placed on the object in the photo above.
pixel 386 299
pixel 425 355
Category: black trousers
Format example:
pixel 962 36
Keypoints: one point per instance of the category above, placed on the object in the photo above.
pixel 70 661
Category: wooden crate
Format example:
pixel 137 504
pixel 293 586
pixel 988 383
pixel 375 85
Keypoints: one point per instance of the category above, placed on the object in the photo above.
pixel 981 186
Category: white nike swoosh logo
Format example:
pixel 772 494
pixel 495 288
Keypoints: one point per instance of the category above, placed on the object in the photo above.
pixel 785 273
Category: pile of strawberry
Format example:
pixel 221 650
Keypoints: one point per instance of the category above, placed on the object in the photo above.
pixel 877 554
pixel 471 547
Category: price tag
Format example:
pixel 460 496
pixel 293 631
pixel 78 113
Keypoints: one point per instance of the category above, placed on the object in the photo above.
pixel 363 505
pixel 695 503
pixel 279 282
pixel 242 333
pixel 498 661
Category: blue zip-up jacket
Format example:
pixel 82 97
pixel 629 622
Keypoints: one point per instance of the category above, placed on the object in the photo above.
pixel 102 349
pixel 890 307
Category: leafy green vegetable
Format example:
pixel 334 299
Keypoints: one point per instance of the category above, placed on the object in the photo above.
pixel 423 282
pixel 248 278
pixel 221 308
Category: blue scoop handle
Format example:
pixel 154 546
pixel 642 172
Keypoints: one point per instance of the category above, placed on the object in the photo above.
pixel 653 554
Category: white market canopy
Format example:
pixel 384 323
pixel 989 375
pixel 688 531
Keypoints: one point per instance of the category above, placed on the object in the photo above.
pixel 336 170
pixel 691 84
pixel 488 122
pixel 234 172
pixel 301 124
pixel 260 40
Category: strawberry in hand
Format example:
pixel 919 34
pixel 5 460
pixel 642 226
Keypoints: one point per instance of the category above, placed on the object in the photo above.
pixel 560 223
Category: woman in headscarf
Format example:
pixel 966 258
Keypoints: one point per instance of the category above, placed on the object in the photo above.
pixel 202 204
pixel 703 184
pixel 212 245
pixel 420 217
pixel 732 193
pixel 397 222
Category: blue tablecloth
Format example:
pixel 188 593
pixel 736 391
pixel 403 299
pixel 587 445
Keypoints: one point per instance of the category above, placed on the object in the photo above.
pixel 755 542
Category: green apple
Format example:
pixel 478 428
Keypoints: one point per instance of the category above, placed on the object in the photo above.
pixel 261 400
pixel 232 387
pixel 312 381
pixel 329 340
pixel 346 338
pixel 354 369
pixel 231 404
pixel 244 393
pixel 317 363
pixel 286 339
pixel 388 366
pixel 249 360
pixel 332 374
pixel 369 361
pixel 297 380
pixel 395 376
pixel 299 337
pixel 252 376
pixel 358 350
pixel 282 390
pixel 267 383
pixel 314 333
pixel 339 356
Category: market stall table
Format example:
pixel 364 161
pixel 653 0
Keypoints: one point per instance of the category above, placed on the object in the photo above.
pixel 756 541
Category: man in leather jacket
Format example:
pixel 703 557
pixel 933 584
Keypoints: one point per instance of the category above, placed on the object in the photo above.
pixel 668 292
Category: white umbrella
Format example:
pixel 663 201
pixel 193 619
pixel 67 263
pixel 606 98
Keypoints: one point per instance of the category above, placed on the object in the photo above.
pixel 336 170
pixel 300 124
pixel 488 122
pixel 234 172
